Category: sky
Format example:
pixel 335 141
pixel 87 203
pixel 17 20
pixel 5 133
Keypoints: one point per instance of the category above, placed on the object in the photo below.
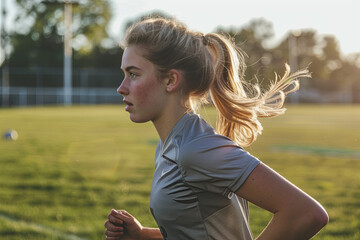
pixel 340 18
pixel 328 17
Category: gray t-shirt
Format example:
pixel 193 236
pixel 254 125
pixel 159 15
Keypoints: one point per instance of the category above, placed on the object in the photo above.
pixel 196 173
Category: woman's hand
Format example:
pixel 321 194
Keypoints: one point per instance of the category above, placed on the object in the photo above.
pixel 122 225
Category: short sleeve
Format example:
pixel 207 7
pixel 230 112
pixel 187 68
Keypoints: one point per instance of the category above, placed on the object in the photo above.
pixel 216 164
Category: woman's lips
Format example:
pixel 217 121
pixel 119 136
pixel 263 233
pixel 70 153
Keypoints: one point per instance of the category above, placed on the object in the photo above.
pixel 129 105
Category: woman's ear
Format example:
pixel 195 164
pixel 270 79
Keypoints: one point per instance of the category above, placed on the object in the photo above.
pixel 173 80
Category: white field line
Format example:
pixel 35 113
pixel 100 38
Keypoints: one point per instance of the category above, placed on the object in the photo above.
pixel 41 228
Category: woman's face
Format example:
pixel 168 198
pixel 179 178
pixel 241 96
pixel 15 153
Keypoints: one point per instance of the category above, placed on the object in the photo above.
pixel 144 93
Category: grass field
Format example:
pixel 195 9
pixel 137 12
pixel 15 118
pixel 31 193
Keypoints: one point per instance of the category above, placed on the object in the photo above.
pixel 71 165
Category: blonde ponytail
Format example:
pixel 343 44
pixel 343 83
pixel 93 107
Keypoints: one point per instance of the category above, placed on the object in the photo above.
pixel 238 113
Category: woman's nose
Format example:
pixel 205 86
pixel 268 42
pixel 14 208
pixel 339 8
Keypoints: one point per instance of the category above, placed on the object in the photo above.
pixel 122 89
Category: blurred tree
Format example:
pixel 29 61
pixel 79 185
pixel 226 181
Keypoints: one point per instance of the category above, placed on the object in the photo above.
pixel 39 30
pixel 251 39
pixel 331 50
pixel 305 44
pixel 354 60
pixel 330 72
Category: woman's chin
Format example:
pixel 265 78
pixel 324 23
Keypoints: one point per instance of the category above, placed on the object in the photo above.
pixel 137 119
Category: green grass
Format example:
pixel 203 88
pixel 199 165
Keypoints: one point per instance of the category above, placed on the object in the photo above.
pixel 71 165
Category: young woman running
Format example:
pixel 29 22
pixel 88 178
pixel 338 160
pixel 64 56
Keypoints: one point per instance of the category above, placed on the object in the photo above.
pixel 204 178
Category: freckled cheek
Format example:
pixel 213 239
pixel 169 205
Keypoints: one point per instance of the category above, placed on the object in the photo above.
pixel 143 93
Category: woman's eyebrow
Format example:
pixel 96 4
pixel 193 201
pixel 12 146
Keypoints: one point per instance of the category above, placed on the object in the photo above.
pixel 129 68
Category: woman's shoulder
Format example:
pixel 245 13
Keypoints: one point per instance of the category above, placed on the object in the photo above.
pixel 199 142
pixel 197 132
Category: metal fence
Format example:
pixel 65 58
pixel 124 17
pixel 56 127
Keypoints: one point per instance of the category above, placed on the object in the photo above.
pixel 43 86
pixel 22 96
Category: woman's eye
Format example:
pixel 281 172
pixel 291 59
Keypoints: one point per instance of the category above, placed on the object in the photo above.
pixel 132 75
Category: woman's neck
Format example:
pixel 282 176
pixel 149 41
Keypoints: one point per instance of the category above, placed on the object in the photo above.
pixel 166 122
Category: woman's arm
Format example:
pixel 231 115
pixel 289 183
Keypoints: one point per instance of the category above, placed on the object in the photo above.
pixel 121 225
pixel 296 214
